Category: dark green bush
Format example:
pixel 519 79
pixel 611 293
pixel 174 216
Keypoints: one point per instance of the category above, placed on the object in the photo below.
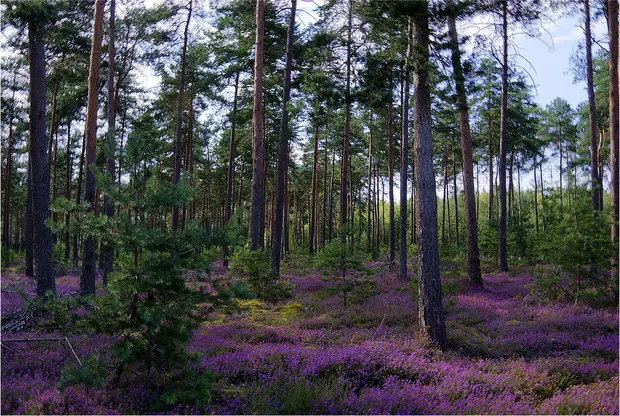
pixel 149 307
pixel 188 387
pixel 346 271
pixel 92 373
pixel 254 267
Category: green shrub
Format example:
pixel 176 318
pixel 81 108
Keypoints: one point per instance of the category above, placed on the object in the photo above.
pixel 92 373
pixel 254 267
pixel 579 248
pixel 8 256
pixel 189 388
pixel 149 308
pixel 62 265
pixel 345 269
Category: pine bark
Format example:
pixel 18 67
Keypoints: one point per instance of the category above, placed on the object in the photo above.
pixel 29 223
pixel 612 19
pixel 231 164
pixel 108 206
pixel 391 183
pixel 78 197
pixel 596 181
pixel 490 156
pixel 39 161
pixel 536 198
pixel 369 227
pixel 344 177
pixel 69 171
pixel 6 235
pixel 503 255
pixel 404 152
pixel 324 210
pixel 87 278
pixel 456 200
pixel 315 168
pixel 258 147
pixel 331 199
pixel 282 151
pixel 431 317
pixel 179 117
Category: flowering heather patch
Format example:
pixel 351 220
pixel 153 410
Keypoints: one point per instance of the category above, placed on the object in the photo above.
pixel 311 355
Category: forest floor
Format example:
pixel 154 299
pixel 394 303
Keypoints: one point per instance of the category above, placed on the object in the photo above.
pixel 507 355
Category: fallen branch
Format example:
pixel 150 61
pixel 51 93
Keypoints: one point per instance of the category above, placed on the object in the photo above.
pixel 380 325
pixel 73 351
pixel 46 339
pixel 4 346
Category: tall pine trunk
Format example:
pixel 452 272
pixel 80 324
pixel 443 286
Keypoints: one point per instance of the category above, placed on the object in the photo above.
pixel 490 156
pixel 536 198
pixel 324 210
pixel 87 278
pixel 431 317
pixel 258 147
pixel 612 20
pixel 29 223
pixel 344 163
pixel 596 181
pixel 108 206
pixel 282 150
pixel 6 235
pixel 503 142
pixel 391 183
pixel 78 197
pixel 369 227
pixel 404 154
pixel 315 168
pixel 39 161
pixel 69 172
pixel 287 209
pixel 179 117
pixel 331 199
pixel 231 163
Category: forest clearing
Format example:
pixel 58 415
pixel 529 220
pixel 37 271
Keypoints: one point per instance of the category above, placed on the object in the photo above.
pixel 507 355
pixel 313 207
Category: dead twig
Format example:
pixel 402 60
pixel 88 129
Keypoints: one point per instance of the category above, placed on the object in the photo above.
pixel 45 339
pixel 73 351
pixel 380 325
pixel 7 348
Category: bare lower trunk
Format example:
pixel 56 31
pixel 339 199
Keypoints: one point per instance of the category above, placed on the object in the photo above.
pixel 39 162
pixel 456 201
pixel 404 163
pixel 369 227
pixel 7 187
pixel 344 163
pixel 431 317
pixel 503 144
pixel 78 197
pixel 315 166
pixel 87 278
pixel 536 198
pixel 108 206
pixel 258 146
pixel 596 180
pixel 29 226
pixel 282 151
pixel 69 171
pixel 331 200
pixel 612 19
pixel 231 164
pixel 391 184
pixel 179 118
